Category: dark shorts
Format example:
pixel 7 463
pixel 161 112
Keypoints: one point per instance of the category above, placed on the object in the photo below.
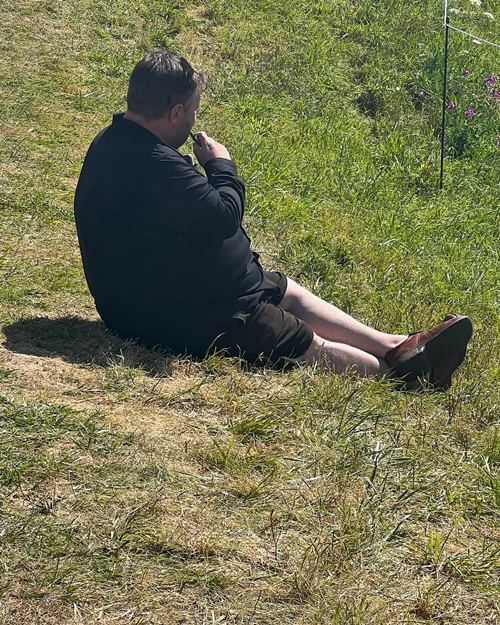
pixel 268 333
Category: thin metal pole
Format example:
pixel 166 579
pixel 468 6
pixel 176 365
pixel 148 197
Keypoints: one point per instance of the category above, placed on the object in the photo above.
pixel 445 77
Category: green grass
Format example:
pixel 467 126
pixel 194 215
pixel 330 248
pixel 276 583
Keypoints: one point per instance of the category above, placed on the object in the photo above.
pixel 140 488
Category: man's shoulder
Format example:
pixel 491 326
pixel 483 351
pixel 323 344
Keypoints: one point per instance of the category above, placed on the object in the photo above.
pixel 161 152
pixel 124 146
pixel 130 142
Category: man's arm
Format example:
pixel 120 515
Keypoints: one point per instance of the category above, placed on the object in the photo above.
pixel 208 208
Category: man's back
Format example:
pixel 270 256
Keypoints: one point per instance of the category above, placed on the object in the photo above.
pixel 163 250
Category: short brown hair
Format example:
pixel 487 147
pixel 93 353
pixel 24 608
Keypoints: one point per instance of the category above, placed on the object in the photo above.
pixel 160 81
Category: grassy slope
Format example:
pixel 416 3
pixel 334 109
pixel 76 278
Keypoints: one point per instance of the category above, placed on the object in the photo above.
pixel 142 489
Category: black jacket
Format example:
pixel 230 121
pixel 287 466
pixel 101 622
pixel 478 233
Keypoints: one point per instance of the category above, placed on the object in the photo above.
pixel 163 250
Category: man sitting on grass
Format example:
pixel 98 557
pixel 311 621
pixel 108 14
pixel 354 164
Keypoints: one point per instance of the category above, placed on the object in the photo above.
pixel 168 262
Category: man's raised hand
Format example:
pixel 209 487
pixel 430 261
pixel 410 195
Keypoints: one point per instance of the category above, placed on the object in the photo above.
pixel 209 148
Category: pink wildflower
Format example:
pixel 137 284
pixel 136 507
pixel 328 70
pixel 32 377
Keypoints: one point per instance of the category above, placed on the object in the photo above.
pixel 451 106
pixel 469 113
pixel 490 80
pixel 466 72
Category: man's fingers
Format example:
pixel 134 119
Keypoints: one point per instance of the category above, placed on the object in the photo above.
pixel 203 137
pixel 208 149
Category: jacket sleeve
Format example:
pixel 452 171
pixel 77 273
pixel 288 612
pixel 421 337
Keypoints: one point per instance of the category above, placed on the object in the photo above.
pixel 209 207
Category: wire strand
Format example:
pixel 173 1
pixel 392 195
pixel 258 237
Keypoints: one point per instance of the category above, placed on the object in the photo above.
pixel 495 45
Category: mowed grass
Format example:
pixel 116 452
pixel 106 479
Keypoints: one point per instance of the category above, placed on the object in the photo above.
pixel 141 488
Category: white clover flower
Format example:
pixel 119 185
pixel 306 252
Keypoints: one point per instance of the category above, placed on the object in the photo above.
pixel 489 15
pixel 476 3
pixel 454 11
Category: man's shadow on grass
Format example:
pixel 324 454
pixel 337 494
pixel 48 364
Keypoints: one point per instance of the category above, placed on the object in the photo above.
pixel 81 341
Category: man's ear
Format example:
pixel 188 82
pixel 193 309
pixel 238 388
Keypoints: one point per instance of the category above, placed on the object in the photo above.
pixel 175 113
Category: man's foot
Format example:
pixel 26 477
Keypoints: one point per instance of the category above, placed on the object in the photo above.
pixel 432 355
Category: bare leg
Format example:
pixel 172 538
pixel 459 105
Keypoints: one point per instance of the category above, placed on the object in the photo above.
pixel 341 357
pixel 337 327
